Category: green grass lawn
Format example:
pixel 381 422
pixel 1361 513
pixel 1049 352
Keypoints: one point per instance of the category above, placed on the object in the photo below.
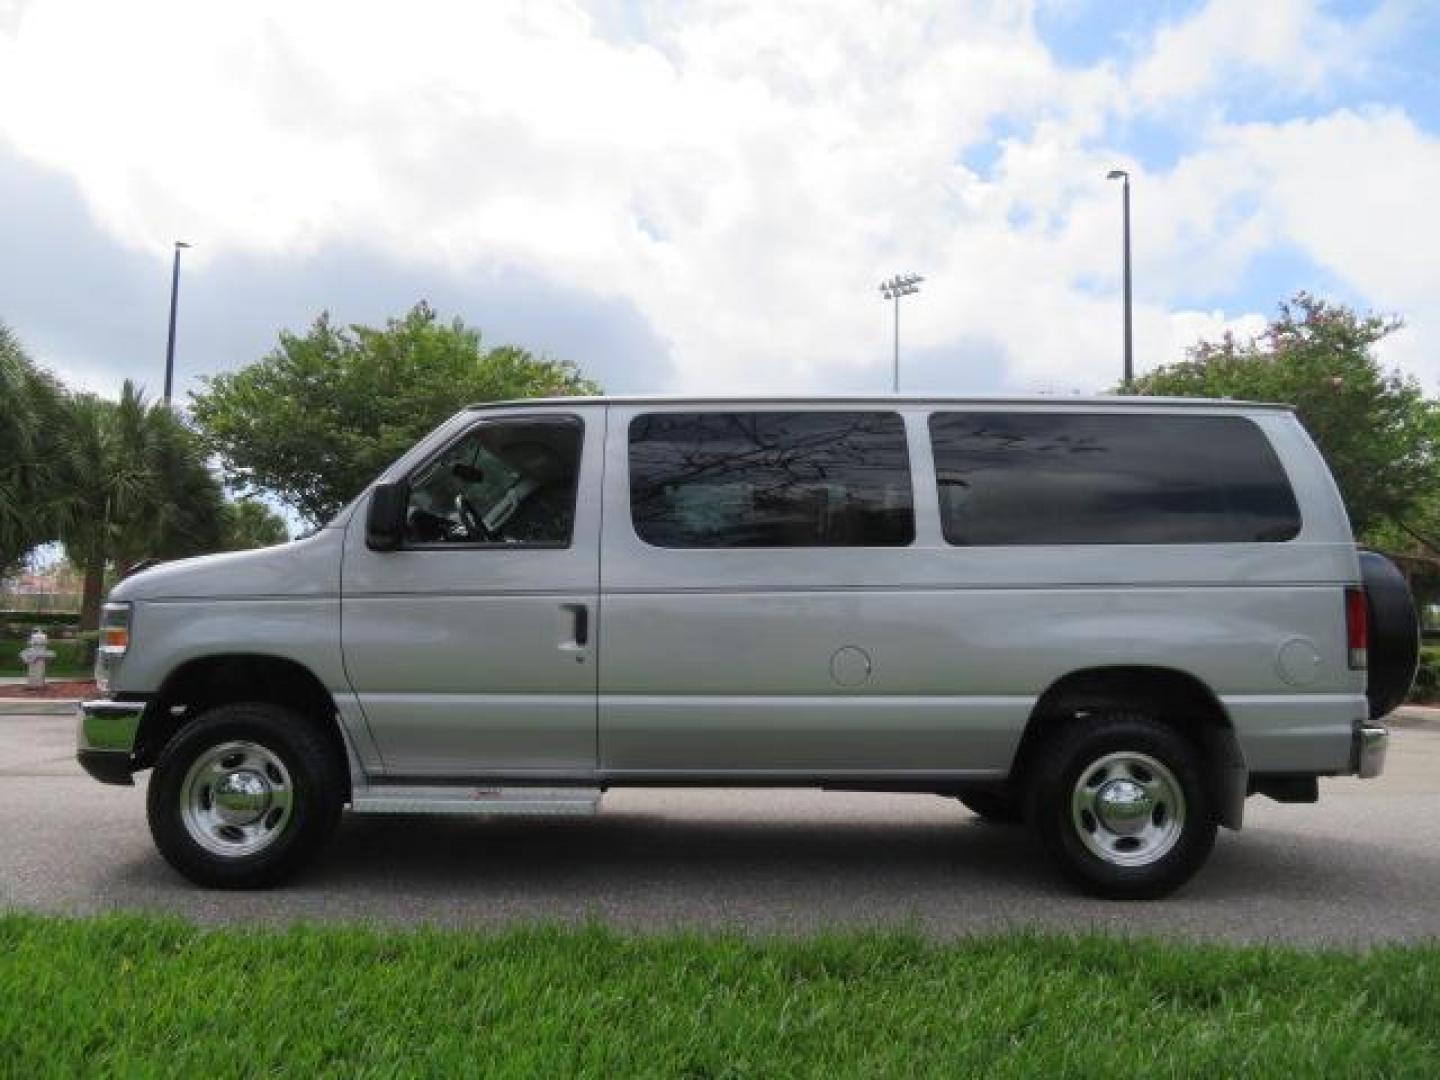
pixel 130 995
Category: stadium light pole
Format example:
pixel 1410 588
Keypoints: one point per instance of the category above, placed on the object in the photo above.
pixel 1121 174
pixel 174 302
pixel 898 286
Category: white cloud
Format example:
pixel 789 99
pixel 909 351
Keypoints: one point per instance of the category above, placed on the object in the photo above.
pixel 743 175
pixel 1351 191
pixel 1294 46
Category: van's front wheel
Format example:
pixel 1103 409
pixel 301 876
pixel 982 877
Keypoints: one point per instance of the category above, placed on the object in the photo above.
pixel 244 796
pixel 1121 804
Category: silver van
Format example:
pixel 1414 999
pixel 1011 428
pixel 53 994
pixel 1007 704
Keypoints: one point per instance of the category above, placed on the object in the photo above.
pixel 1113 619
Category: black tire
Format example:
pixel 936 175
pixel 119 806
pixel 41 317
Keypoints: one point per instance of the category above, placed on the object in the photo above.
pixel 1394 630
pixel 1134 739
pixel 301 761
pixel 994 807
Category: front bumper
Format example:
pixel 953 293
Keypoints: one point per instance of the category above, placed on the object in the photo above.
pixel 1367 750
pixel 105 739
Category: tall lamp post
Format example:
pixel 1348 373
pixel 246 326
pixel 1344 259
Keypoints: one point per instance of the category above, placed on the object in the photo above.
pixel 898 286
pixel 1121 174
pixel 174 302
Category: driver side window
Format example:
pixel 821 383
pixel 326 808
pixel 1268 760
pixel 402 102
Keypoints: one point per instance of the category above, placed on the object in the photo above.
pixel 504 483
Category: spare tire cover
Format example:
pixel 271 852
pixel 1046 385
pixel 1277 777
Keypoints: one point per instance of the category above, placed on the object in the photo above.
pixel 1394 633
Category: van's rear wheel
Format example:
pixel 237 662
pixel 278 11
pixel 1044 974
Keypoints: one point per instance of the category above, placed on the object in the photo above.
pixel 244 796
pixel 1121 804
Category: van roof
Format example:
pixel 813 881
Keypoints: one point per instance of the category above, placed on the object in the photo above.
pixel 892 400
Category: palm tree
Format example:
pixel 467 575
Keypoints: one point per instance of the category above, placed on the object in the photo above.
pixel 31 404
pixel 251 524
pixel 185 511
pixel 136 487
pixel 18 425
pixel 106 484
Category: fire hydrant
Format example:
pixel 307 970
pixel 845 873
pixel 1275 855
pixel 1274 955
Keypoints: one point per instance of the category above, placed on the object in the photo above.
pixel 34 657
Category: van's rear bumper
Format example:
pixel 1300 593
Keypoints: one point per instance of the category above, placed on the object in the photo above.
pixel 1367 753
pixel 105 739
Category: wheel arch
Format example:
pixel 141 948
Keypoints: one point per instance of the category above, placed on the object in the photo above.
pixel 203 682
pixel 1171 695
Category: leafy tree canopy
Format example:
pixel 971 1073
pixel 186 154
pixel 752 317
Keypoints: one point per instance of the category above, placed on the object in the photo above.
pixel 1375 427
pixel 319 417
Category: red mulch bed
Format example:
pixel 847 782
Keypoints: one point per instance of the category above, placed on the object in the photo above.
pixel 80 688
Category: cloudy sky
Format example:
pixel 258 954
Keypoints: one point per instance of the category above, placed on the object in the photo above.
pixel 703 196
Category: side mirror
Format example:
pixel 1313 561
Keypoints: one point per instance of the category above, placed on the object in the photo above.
pixel 385 522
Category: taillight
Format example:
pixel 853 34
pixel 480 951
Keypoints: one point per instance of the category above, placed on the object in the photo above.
pixel 1357 628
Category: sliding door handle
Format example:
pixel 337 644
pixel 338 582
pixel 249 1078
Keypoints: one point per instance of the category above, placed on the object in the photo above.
pixel 573 632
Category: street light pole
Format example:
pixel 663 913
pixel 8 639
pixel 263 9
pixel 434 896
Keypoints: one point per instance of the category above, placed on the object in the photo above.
pixel 898 286
pixel 1121 174
pixel 174 302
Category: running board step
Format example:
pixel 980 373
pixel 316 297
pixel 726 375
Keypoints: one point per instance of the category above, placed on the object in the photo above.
pixel 454 799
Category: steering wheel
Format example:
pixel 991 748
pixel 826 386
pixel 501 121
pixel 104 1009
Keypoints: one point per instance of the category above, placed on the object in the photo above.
pixel 473 521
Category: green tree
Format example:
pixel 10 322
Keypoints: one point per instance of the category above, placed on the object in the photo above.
pixel 251 524
pixel 136 486
pixel 31 406
pixel 322 414
pixel 1375 427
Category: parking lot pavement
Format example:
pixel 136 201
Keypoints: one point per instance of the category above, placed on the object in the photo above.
pixel 1362 866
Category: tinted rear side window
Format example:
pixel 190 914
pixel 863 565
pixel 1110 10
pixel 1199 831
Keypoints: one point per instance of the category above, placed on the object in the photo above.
pixel 771 479
pixel 1065 478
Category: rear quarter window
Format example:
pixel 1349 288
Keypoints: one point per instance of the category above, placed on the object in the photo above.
pixel 1079 478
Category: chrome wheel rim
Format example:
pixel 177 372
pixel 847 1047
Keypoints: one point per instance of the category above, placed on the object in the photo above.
pixel 1128 809
pixel 236 799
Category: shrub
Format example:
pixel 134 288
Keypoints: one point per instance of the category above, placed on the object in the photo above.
pixel 1427 677
pixel 42 619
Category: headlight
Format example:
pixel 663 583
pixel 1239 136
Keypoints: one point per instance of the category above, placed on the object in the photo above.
pixel 114 641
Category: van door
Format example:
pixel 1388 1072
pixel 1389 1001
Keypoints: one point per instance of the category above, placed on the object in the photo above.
pixel 767 611
pixel 472 648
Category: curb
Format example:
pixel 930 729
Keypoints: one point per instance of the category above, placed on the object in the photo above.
pixel 38 706
pixel 1414 716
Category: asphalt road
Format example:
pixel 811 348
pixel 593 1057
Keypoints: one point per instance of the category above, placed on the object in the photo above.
pixel 1360 867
